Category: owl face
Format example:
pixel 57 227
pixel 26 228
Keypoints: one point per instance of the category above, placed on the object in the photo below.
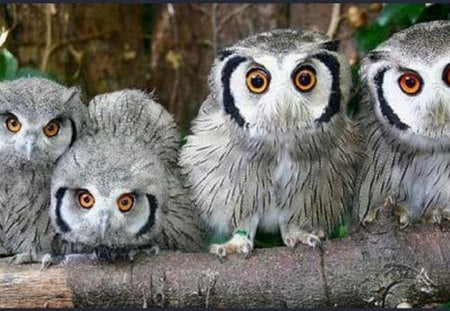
pixel 281 80
pixel 105 193
pixel 409 79
pixel 38 119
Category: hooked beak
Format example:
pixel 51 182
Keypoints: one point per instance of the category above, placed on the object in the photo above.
pixel 104 225
pixel 442 114
pixel 30 144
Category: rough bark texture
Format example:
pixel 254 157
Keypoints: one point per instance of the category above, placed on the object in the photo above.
pixel 380 268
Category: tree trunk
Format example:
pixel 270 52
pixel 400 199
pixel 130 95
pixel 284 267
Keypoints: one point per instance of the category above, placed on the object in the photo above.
pixel 381 268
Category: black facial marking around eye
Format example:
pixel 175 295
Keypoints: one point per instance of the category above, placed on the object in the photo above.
pixel 224 54
pixel 331 46
pixel 334 101
pixel 446 75
pixel 376 56
pixel 386 110
pixel 228 99
pixel 59 221
pixel 153 203
pixel 74 132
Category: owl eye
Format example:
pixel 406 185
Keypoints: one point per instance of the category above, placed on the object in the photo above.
pixel 12 124
pixel 86 199
pixel 125 202
pixel 51 129
pixel 257 80
pixel 305 78
pixel 446 75
pixel 410 83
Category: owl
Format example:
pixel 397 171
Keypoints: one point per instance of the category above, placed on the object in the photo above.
pixel 272 146
pixel 406 121
pixel 39 120
pixel 119 189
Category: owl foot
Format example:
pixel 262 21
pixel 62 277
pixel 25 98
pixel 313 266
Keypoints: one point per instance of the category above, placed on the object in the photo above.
pixel 153 251
pixel 403 216
pixel 238 244
pixel 301 236
pixel 371 217
pixel 436 216
pixel 75 259
pixel 46 261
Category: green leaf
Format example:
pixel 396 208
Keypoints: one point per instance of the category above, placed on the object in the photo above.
pixel 435 12
pixel 369 37
pixel 445 305
pixel 399 15
pixel 8 65
pixel 183 137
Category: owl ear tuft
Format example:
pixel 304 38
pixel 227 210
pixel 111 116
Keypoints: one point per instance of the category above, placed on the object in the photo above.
pixel 72 93
pixel 224 54
pixel 376 56
pixel 332 45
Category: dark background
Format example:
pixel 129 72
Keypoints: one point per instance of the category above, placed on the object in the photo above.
pixel 170 48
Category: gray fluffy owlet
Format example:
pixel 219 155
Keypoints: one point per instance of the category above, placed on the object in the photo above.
pixel 39 120
pixel 272 146
pixel 407 124
pixel 119 188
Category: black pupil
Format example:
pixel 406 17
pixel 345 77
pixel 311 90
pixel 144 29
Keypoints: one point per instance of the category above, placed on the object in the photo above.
pixel 304 78
pixel 13 122
pixel 87 199
pixel 410 82
pixel 125 202
pixel 51 127
pixel 257 81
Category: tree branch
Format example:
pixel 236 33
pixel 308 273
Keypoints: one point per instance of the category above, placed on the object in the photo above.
pixel 383 268
pixel 334 20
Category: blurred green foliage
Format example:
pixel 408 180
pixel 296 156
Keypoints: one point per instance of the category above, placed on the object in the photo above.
pixel 394 17
pixel 9 68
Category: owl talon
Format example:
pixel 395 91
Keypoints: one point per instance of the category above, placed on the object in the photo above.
pixel 304 237
pixel 153 251
pixel 72 259
pixel 371 217
pixel 46 261
pixel 238 244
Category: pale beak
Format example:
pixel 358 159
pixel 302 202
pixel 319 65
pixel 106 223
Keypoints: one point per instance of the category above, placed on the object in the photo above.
pixel 442 114
pixel 104 225
pixel 30 144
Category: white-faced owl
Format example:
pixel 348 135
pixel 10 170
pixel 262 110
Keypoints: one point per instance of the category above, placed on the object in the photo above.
pixel 119 188
pixel 272 145
pixel 39 122
pixel 406 120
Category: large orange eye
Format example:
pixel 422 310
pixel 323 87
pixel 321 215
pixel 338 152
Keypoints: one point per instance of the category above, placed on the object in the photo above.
pixel 305 78
pixel 446 75
pixel 257 81
pixel 52 128
pixel 12 124
pixel 410 83
pixel 85 199
pixel 125 202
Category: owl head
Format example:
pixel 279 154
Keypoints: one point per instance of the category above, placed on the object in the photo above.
pixel 408 79
pixel 281 80
pixel 110 189
pixel 39 120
